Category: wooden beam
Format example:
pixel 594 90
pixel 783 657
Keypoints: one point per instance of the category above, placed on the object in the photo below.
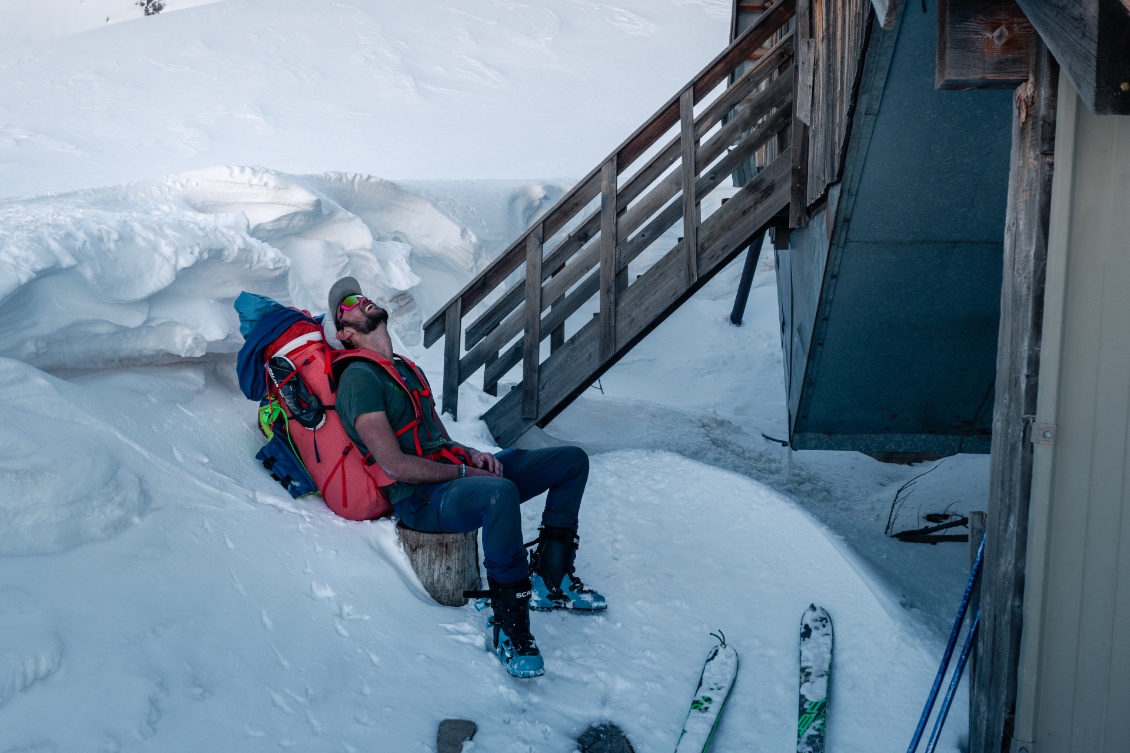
pixel 982 44
pixel 1018 365
pixel 608 260
pixel 531 352
pixel 1090 40
pixel 689 174
pixel 453 333
pixel 802 113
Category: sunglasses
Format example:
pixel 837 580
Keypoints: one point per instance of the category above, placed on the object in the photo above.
pixel 349 303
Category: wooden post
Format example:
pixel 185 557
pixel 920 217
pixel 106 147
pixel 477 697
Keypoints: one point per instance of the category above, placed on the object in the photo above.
pixel 802 112
pixel 489 387
pixel 746 283
pixel 1089 41
pixel 977 523
pixel 690 175
pixel 1018 366
pixel 608 261
pixel 446 563
pixel 531 348
pixel 453 336
pixel 982 44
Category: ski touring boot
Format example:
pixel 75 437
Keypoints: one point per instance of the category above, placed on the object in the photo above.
pixel 555 584
pixel 511 639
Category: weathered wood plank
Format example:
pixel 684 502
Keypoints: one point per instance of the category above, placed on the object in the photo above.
pixel 982 44
pixel 839 30
pixel 531 355
pixel 608 287
pixel 780 54
pixel 806 59
pixel 743 47
pixel 552 264
pixel 802 113
pixel 1018 362
pixel 501 363
pixel 574 271
pixel 688 175
pixel 491 344
pixel 1090 40
pixel 556 337
pixel 774 96
pixel 662 221
pixel 451 380
pixel 493 316
pixel 490 386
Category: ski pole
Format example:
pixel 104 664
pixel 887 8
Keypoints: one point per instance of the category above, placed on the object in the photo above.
pixel 933 696
pixel 944 711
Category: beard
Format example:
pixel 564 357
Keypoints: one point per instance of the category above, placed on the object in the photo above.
pixel 373 319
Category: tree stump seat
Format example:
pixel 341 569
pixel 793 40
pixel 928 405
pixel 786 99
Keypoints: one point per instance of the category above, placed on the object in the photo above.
pixel 447 564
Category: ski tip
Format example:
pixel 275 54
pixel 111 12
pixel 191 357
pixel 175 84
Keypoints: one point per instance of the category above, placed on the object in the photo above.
pixel 815 620
pixel 720 637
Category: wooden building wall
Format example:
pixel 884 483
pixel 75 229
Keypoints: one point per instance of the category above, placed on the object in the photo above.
pixel 1074 673
pixel 890 293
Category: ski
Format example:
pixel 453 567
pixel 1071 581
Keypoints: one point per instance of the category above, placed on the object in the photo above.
pixel 718 674
pixel 815 676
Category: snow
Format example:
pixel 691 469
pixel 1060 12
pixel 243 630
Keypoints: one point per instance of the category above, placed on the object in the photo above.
pixel 160 592
pixel 464 89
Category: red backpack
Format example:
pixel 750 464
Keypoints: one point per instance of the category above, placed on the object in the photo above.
pixel 302 371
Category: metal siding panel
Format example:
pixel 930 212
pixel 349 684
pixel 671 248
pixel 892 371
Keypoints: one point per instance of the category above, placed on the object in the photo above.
pixel 1085 653
pixel 1111 406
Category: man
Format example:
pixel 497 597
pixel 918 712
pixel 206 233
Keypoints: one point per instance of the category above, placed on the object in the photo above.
pixel 441 486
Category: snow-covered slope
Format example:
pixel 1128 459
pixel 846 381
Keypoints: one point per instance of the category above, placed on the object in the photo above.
pixel 26 22
pixel 168 595
pixel 467 89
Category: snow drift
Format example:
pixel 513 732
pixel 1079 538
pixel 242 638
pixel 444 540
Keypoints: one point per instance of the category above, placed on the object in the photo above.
pixel 146 273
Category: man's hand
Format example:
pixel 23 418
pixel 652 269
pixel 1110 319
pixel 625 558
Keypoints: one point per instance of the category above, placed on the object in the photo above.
pixel 484 461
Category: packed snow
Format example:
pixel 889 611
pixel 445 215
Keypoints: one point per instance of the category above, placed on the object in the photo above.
pixel 160 592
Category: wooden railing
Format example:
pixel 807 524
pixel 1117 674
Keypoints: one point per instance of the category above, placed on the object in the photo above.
pixel 578 253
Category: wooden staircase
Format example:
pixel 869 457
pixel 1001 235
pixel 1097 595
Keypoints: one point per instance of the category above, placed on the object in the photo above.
pixel 576 257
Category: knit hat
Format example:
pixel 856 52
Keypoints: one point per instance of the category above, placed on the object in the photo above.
pixel 341 289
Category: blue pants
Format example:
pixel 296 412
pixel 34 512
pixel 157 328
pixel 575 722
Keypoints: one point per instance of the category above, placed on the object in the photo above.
pixel 492 503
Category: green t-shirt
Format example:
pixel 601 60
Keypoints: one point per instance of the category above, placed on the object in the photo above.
pixel 365 387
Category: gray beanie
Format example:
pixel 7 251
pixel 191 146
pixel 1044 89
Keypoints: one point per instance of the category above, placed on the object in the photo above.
pixel 341 289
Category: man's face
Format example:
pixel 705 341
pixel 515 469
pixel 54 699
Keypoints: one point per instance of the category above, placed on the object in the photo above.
pixel 363 318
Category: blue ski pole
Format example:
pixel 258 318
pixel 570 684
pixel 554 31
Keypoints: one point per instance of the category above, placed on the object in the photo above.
pixel 944 711
pixel 930 699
